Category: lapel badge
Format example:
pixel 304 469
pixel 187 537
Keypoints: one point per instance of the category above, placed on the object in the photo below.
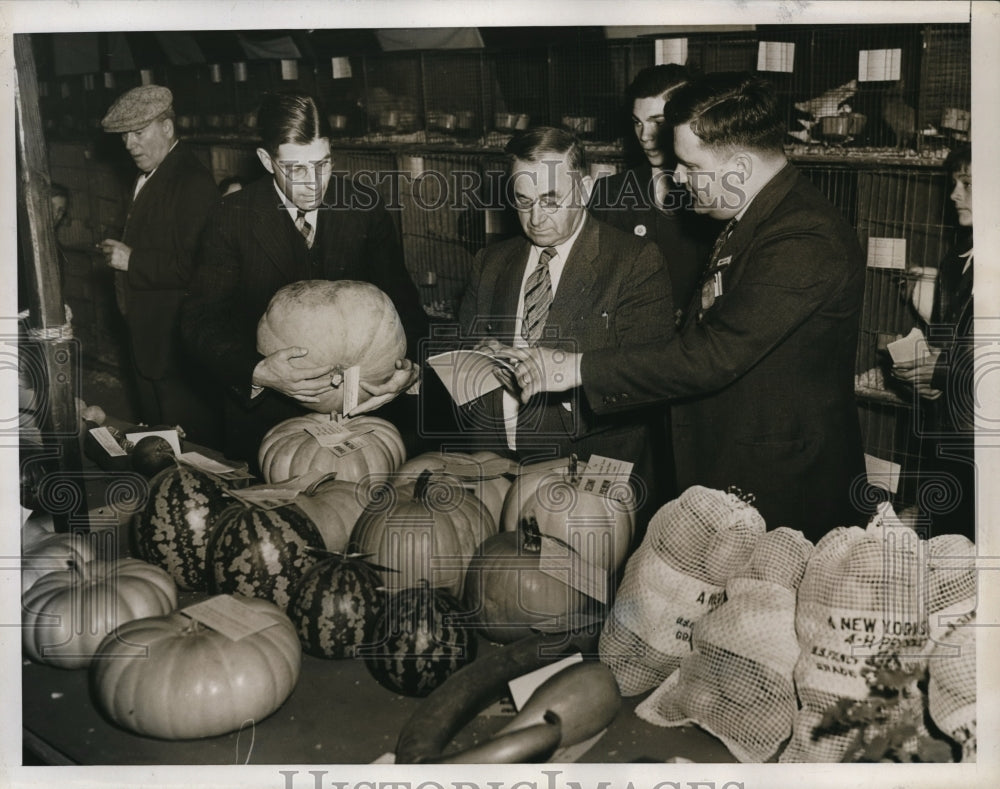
pixel 639 230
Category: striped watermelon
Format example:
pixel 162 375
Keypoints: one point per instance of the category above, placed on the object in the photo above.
pixel 261 553
pixel 172 530
pixel 421 641
pixel 336 605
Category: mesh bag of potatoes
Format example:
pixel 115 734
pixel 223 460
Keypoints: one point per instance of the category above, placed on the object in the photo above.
pixel 951 665
pixel 693 545
pixel 737 683
pixel 861 608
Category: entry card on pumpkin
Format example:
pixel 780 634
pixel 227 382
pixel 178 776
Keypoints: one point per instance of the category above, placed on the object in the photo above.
pixel 272 496
pixel 605 476
pixel 559 561
pixel 227 615
pixel 203 463
pixel 351 384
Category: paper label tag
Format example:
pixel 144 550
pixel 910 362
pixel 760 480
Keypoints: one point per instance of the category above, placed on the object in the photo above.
pixel 469 374
pixel 170 436
pixel 351 384
pixel 879 65
pixel 355 442
pixel 271 497
pixel 330 433
pixel 670 50
pixel 473 469
pixel 566 565
pixel 775 56
pixel 522 687
pixel 202 463
pixel 107 442
pixel 887 253
pixel 227 615
pixel 606 477
pixel 882 473
pixel 909 349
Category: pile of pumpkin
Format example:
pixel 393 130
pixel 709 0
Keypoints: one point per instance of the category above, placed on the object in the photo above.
pixel 398 563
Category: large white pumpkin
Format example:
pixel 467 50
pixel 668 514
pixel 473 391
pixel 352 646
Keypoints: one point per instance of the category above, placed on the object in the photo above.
pixel 342 323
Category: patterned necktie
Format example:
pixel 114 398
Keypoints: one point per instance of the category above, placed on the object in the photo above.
pixel 537 298
pixel 304 227
pixel 720 242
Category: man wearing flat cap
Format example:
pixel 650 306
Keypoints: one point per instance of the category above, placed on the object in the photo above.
pixel 168 207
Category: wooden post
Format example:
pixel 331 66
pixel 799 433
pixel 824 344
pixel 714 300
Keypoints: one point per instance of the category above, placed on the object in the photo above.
pixel 49 334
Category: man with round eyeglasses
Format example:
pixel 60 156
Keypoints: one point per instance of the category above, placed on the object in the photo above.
pixel 298 223
pixel 570 282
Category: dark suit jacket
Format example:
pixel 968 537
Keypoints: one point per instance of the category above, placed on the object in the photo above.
pixel 163 228
pixel 251 250
pixel 762 387
pixel 613 291
pixel 627 201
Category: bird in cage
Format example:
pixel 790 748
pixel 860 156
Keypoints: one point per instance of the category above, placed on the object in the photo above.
pixel 899 116
pixel 828 103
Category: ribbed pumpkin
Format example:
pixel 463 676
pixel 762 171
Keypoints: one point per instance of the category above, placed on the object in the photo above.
pixel 468 469
pixel 288 450
pixel 172 530
pixel 334 506
pixel 426 529
pixel 336 604
pixel 66 614
pixel 421 641
pixel 599 528
pixel 341 323
pixel 172 677
pixel 56 552
pixel 506 593
pixel 261 553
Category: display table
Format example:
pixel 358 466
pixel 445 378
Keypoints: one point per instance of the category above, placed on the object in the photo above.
pixel 337 714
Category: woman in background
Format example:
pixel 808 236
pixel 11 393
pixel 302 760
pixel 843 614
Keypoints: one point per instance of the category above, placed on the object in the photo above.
pixel 945 377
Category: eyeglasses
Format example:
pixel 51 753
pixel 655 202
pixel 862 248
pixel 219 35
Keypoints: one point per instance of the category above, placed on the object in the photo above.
pixel 303 171
pixel 548 203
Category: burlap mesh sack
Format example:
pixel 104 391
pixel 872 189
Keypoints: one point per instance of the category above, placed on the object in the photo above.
pixel 693 545
pixel 860 607
pixel 737 683
pixel 951 691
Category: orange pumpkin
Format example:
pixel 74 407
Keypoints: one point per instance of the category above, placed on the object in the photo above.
pixel 507 592
pixel 289 450
pixel 600 528
pixel 427 529
pixel 66 614
pixel 341 323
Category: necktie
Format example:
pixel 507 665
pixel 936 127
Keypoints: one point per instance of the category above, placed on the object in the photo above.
pixel 304 227
pixel 720 242
pixel 537 298
pixel 711 281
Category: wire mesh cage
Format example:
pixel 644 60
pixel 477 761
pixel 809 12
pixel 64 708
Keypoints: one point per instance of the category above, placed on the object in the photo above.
pixel 454 95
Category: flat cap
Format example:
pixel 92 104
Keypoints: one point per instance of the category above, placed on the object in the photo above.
pixel 137 108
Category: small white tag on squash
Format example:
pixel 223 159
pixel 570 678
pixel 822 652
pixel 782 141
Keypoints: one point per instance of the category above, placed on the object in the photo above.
pixel 566 565
pixel 329 434
pixel 522 687
pixel 351 384
pixel 107 442
pixel 227 615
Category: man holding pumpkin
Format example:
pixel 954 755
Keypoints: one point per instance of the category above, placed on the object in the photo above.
pixel 760 377
pixel 279 230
